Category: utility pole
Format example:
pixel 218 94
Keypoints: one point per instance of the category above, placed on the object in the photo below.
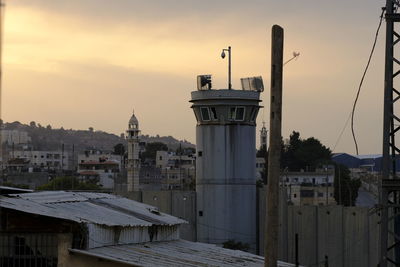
pixel 326 185
pixel 272 220
pixel 390 184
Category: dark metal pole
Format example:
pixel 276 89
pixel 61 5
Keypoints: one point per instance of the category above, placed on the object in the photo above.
pixel 387 107
pixel 229 68
pixel 340 186
pixel 272 220
pixel 326 185
pixel 296 249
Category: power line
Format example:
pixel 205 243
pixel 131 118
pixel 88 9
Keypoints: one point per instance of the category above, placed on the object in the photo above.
pixel 362 79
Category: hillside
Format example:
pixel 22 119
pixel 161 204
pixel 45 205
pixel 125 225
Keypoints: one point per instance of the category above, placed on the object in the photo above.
pixel 47 138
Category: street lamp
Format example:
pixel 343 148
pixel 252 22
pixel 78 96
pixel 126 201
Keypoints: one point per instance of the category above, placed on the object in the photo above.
pixel 229 65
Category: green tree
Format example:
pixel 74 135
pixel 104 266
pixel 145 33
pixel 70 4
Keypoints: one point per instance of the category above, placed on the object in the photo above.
pixel 119 149
pixel 68 183
pixel 346 189
pixel 151 150
pixel 306 154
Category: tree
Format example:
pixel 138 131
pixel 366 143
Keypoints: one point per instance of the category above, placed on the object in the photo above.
pixel 32 124
pixel 151 150
pixel 68 183
pixel 119 149
pixel 346 189
pixel 306 154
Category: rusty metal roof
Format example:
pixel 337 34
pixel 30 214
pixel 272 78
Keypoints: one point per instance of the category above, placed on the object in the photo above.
pixel 175 253
pixel 84 207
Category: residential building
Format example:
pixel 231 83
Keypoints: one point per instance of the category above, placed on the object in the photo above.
pixel 310 188
pixel 46 160
pixel 177 171
pixel 99 167
pixel 15 137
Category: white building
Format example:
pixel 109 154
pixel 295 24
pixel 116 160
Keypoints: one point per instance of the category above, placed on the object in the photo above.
pixel 52 160
pixel 319 177
pixel 177 171
pixel 133 154
pixel 15 137
pixel 99 167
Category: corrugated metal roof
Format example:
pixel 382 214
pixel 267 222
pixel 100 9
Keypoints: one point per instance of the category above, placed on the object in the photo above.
pixel 176 253
pixel 95 208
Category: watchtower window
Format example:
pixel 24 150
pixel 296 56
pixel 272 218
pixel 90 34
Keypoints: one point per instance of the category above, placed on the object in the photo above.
pixel 205 113
pixel 253 115
pixel 239 114
pixel 236 113
pixel 213 114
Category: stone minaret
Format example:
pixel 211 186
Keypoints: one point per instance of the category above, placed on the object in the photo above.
pixel 263 136
pixel 133 154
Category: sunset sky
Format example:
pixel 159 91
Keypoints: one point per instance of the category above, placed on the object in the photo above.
pixel 88 63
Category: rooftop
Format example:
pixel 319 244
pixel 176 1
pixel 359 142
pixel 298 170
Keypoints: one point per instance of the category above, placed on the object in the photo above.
pixel 91 208
pixel 175 253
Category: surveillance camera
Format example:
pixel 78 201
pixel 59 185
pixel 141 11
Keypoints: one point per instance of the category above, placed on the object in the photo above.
pixel 223 54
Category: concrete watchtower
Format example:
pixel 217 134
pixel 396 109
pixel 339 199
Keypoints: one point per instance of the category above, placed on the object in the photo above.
pixel 225 164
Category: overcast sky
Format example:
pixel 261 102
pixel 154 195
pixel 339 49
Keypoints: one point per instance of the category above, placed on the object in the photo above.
pixel 88 63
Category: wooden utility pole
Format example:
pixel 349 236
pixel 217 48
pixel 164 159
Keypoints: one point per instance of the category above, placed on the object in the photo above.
pixel 274 153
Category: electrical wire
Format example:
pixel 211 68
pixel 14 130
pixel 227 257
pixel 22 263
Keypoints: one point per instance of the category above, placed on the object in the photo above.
pixel 341 133
pixel 362 79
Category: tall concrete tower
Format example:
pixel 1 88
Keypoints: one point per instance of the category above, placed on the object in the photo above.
pixel 225 164
pixel 263 136
pixel 133 154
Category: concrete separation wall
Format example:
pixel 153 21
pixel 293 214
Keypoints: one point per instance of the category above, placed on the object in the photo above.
pixel 349 236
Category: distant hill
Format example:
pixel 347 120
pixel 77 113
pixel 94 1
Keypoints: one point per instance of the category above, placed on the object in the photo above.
pixel 47 138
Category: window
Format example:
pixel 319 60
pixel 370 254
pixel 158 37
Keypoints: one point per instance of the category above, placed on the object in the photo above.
pixel 320 194
pixel 232 113
pixel 253 114
pixel 213 114
pixel 239 113
pixel 205 113
pixel 236 113
pixel 200 153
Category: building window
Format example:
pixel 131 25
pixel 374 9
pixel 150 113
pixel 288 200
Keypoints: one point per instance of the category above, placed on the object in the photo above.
pixel 253 114
pixel 320 194
pixel 205 113
pixel 236 113
pixel 213 114
pixel 160 157
pixel 294 195
pixel 239 114
pixel 200 153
